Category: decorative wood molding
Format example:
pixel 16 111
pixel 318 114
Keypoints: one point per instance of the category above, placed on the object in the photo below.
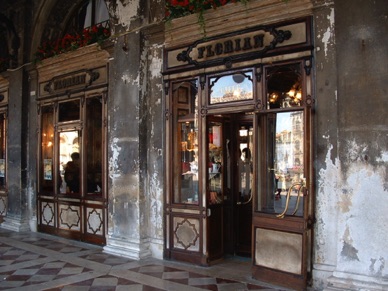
pixel 233 17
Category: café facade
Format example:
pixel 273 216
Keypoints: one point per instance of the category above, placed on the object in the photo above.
pixel 253 130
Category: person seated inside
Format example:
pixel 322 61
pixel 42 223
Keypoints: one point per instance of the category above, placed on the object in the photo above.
pixel 72 174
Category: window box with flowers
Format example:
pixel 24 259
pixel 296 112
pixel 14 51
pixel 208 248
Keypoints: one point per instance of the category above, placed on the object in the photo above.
pixel 70 42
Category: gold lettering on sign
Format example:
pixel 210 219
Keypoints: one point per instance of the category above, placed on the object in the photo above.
pixel 69 82
pixel 231 46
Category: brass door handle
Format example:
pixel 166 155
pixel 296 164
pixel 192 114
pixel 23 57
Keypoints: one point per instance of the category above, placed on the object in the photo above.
pixel 281 215
pixel 298 199
pixel 246 202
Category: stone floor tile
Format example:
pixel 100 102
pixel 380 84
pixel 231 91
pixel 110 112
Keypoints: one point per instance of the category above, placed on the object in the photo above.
pixel 36 261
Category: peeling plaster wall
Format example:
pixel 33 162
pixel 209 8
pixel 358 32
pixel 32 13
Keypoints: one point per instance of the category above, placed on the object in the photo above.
pixel 352 193
pixel 126 11
pixel 155 149
pixel 135 140
pixel 326 164
pixel 123 141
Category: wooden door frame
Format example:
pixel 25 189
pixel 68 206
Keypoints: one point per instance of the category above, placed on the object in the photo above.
pixel 292 225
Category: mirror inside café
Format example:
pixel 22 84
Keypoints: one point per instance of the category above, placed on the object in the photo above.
pixel 69 165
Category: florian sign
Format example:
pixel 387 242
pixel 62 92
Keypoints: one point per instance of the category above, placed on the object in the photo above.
pixel 69 82
pixel 227 48
pixel 73 82
pixel 241 46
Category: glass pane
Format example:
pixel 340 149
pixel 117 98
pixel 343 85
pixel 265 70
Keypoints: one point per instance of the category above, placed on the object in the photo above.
pixel 285 164
pixel 100 13
pixel 231 88
pixel 69 159
pixel 215 163
pixel 284 86
pixel 245 163
pixel 3 167
pixel 185 152
pixel 69 111
pixel 47 150
pixel 94 146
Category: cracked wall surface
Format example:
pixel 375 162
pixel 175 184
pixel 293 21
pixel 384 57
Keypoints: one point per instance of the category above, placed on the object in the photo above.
pixel 352 139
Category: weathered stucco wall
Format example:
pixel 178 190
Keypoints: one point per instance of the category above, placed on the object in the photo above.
pixel 350 122
pixel 351 241
pixel 135 133
pixel 325 123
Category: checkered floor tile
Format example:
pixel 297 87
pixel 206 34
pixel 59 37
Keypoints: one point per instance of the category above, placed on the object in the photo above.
pixel 34 261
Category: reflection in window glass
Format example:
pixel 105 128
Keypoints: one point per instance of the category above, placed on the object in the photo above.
pixel 69 111
pixel 245 163
pixel 231 88
pixel 185 153
pixel 285 164
pixel 215 163
pixel 284 87
pixel 91 12
pixel 69 159
pixel 47 150
pixel 2 151
pixel 94 146
pixel 96 12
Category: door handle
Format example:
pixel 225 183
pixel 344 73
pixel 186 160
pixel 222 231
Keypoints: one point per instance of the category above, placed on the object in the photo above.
pixel 246 202
pixel 301 186
pixel 298 198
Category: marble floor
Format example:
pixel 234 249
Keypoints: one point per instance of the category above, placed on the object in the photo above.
pixel 36 261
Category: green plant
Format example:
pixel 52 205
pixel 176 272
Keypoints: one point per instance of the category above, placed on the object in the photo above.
pixel 94 34
pixel 179 8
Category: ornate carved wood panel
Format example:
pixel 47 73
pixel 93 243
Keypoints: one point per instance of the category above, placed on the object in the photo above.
pixel 186 233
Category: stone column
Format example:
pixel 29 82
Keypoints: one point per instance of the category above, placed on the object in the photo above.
pixel 326 147
pixel 127 215
pixel 17 210
pixel 361 191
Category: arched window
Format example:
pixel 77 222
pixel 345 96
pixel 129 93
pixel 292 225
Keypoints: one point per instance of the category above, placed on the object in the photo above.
pixel 90 12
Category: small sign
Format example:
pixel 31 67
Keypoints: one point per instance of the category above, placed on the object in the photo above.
pixel 2 168
pixel 47 169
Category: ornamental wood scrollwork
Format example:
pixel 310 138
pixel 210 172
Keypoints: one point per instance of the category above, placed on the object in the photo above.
pixel 203 112
pixel 233 47
pixel 309 101
pixel 167 114
pixel 259 105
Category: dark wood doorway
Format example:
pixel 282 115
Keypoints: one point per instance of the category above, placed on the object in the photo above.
pixel 238 182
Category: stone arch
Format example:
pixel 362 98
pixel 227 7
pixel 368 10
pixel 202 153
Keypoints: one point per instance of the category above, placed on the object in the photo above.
pixel 52 19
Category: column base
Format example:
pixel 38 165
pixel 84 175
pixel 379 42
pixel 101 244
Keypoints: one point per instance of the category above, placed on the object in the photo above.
pixel 129 248
pixel 14 224
pixel 347 281
pixel 156 247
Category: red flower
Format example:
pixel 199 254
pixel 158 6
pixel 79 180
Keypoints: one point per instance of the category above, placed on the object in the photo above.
pixel 69 42
pixel 182 3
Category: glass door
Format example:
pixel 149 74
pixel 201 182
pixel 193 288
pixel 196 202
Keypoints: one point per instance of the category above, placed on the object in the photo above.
pixel 243 192
pixel 215 188
pixel 230 185
pixel 72 196
pixel 283 210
